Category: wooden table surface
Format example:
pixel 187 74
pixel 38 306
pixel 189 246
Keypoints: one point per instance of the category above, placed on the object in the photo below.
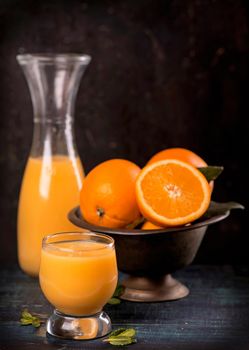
pixel 214 316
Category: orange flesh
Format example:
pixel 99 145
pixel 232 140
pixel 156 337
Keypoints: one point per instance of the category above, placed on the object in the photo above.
pixel 167 191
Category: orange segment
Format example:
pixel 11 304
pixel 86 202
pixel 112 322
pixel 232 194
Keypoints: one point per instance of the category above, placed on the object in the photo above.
pixel 172 192
pixel 149 226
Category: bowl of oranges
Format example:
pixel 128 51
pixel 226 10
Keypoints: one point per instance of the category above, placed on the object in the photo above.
pixel 158 216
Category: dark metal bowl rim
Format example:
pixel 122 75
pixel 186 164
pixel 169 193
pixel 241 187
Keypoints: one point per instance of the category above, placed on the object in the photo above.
pixel 76 218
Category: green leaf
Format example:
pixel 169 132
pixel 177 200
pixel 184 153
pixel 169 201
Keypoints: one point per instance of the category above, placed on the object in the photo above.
pixel 121 341
pixel 26 314
pixel 36 322
pixel 114 301
pixel 25 321
pixel 121 337
pixel 117 332
pixel 115 298
pixel 135 223
pixel 211 172
pixel 130 332
pixel 216 208
pixel 118 291
pixel 28 319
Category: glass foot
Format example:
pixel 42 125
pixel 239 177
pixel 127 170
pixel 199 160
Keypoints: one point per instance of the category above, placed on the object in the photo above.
pixel 79 327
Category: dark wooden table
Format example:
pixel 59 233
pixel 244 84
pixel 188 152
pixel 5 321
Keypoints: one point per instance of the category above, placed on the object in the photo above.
pixel 214 316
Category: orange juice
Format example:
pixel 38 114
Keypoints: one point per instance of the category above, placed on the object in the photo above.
pixel 78 277
pixel 50 188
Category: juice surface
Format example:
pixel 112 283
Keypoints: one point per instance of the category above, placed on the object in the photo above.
pixel 50 188
pixel 80 279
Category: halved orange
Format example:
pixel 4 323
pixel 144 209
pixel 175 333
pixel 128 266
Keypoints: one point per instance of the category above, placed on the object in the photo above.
pixel 181 154
pixel 172 193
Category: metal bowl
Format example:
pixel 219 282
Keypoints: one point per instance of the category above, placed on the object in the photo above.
pixel 150 256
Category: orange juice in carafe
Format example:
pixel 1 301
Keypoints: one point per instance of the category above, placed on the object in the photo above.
pixel 49 190
pixel 54 174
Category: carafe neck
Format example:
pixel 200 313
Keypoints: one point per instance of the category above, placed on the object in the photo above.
pixel 53 82
pixel 53 138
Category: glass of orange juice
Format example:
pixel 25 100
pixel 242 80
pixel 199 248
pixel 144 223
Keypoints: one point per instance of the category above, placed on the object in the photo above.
pixel 78 275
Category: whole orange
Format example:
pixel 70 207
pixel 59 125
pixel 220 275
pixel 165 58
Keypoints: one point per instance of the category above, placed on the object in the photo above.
pixel 108 194
pixel 182 154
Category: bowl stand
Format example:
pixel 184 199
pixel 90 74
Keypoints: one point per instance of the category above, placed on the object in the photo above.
pixel 144 289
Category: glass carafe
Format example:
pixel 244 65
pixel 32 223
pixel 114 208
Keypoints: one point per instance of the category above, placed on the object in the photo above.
pixel 53 175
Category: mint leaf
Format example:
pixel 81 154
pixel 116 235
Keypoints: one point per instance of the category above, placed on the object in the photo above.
pixel 121 341
pixel 118 291
pixel 36 322
pixel 117 332
pixel 115 298
pixel 114 301
pixel 27 319
pixel 130 332
pixel 26 314
pixel 121 337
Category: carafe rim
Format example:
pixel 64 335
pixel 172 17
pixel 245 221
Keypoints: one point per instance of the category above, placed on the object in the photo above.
pixel 51 58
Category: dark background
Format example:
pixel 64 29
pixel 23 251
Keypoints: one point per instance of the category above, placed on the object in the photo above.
pixel 163 74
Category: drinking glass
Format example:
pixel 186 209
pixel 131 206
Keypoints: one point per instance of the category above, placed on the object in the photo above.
pixel 78 275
